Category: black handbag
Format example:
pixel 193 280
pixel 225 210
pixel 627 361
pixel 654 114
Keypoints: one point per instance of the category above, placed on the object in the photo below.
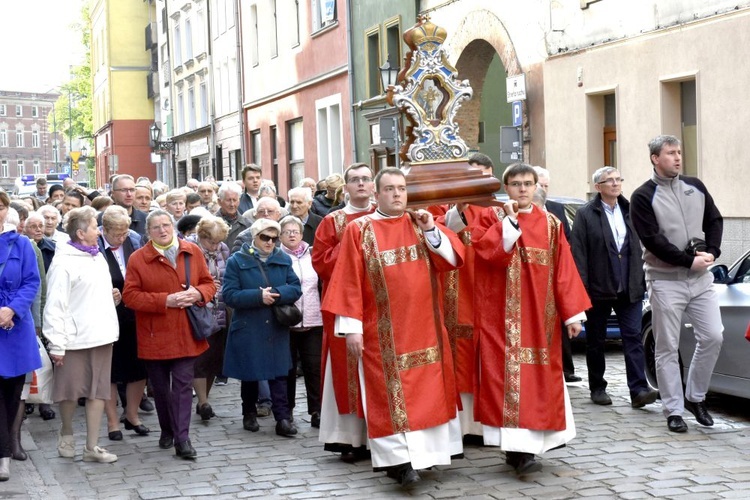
pixel 286 314
pixel 695 245
pixel 202 318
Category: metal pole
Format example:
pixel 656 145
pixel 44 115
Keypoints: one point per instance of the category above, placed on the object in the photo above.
pixel 397 162
pixel 70 131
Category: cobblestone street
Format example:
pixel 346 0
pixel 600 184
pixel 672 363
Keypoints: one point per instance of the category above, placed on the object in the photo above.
pixel 619 452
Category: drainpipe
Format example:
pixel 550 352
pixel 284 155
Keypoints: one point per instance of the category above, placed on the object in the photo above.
pixel 211 91
pixel 350 73
pixel 240 84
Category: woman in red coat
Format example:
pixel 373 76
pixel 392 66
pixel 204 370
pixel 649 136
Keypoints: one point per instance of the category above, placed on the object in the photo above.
pixel 155 290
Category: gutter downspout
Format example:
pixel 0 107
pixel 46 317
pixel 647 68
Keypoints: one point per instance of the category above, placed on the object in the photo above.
pixel 240 84
pixel 351 79
pixel 212 91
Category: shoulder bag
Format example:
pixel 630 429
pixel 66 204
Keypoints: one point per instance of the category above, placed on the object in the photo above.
pixel 202 318
pixel 286 314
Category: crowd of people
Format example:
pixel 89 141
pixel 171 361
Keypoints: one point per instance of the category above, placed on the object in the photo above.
pixel 414 331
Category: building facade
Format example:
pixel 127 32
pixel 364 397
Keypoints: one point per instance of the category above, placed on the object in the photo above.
pixel 28 143
pixel 120 66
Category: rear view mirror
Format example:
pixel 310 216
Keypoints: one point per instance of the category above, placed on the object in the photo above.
pixel 720 272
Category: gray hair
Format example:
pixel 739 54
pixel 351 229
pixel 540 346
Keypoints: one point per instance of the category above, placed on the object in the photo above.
pixel 291 219
pixel 539 198
pixel 658 142
pixel 229 187
pixel 269 201
pixel 302 191
pixel 157 213
pixel 12 217
pixel 35 216
pixel 541 172
pixel 78 218
pixel 49 210
pixel 265 189
pixel 599 174
pixel 120 177
pixel 115 216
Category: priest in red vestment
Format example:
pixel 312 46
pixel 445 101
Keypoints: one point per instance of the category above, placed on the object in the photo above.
pixel 342 426
pixel 385 295
pixel 526 282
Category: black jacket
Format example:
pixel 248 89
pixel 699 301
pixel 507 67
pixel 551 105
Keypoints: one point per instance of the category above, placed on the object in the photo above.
pixel 591 238
pixel 313 220
pixel 321 205
pixel 558 210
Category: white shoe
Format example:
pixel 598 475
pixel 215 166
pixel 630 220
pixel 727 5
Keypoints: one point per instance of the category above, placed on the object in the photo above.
pixel 66 446
pixel 98 454
pixel 4 469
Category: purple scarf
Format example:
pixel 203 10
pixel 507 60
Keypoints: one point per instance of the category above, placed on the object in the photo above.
pixel 91 250
pixel 299 251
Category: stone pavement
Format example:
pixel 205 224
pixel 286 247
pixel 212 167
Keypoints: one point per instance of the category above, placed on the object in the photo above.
pixel 619 453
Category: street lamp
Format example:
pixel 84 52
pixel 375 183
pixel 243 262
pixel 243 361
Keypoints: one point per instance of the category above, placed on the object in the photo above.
pixel 84 153
pixel 155 135
pixel 388 78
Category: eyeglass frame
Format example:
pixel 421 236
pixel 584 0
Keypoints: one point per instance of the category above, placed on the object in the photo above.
pixel 266 238
pixel 612 181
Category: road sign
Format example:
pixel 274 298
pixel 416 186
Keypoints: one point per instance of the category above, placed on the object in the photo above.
pixel 74 155
pixel 515 88
pixel 517 107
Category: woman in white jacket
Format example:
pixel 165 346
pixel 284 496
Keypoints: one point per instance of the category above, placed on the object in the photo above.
pixel 80 322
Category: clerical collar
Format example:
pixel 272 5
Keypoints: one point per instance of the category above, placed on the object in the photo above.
pixel 386 216
pixel 349 208
pixel 526 210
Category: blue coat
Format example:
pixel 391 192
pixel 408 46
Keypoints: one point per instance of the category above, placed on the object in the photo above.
pixel 257 345
pixel 19 353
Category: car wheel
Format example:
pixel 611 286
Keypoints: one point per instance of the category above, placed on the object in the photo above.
pixel 649 346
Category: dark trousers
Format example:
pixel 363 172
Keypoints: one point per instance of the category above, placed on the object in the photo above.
pixel 567 352
pixel 172 383
pixel 10 398
pixel 306 347
pixel 279 404
pixel 629 318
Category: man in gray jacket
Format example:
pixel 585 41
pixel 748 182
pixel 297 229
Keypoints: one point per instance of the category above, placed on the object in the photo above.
pixel 680 230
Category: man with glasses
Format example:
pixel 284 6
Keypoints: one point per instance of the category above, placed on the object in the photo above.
pixel 300 201
pixel 603 228
pixel 266 208
pixel 680 229
pixel 123 194
pixel 341 428
pixel 527 283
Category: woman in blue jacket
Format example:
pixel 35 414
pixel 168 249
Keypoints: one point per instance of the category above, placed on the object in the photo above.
pixel 19 354
pixel 257 277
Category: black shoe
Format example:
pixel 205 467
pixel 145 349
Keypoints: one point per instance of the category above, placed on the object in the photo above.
pixel 315 420
pixel 676 424
pixel 139 429
pixel 512 458
pixel 29 408
pixel 404 474
pixel 46 412
pixel 601 398
pixel 250 423
pixel 700 412
pixel 643 398
pixel 527 464
pixel 355 455
pixel 220 381
pixel 285 428
pixel 185 450
pixel 146 405
pixel 166 442
pixel 572 377
pixel 115 435
pixel 81 401
pixel 205 411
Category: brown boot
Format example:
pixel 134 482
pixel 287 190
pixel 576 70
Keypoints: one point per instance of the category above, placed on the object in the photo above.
pixel 16 450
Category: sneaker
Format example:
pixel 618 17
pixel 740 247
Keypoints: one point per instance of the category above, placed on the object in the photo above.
pixel 220 381
pixel 98 454
pixel 264 411
pixel 66 446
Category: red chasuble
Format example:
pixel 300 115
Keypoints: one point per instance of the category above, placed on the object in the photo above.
pixel 325 253
pixel 458 303
pixel 387 277
pixel 520 299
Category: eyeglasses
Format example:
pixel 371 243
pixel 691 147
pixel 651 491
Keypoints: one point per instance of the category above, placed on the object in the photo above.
pixel 518 184
pixel 265 211
pixel 613 181
pixel 266 238
pixel 125 190
pixel 291 232
pixel 357 180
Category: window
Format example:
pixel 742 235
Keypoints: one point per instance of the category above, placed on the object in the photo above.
pixel 274 156
pixel 274 39
pixel 191 108
pixel 21 168
pixel 601 131
pixel 372 51
pixel 177 44
pixel 297 24
pixel 4 168
pixel 35 111
pixel 180 113
pixel 296 140
pixel 254 35
pixel 680 118
pixel 19 110
pixel 34 138
pixel 204 105
pixel 188 39
pixel 255 141
pixel 323 13
pixel 19 138
pixel 393 42
pixel 3 110
pixel 37 167
pixel 3 138
pixel 330 139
